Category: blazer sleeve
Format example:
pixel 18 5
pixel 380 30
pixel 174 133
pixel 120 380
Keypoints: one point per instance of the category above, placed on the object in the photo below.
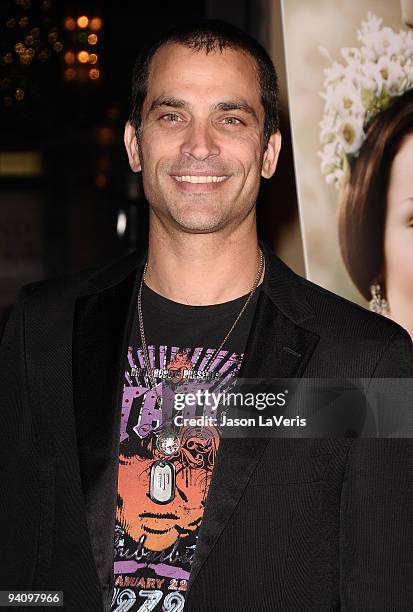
pixel 18 459
pixel 376 523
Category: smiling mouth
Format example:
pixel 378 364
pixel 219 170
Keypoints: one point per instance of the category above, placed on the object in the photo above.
pixel 199 179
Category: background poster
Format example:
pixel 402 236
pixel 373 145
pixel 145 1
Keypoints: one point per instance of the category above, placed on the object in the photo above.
pixel 307 27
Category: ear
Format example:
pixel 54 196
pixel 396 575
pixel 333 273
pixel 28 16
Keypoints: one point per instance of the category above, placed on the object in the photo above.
pixel 131 145
pixel 269 162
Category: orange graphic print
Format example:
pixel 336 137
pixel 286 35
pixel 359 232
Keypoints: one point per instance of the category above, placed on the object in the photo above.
pixel 162 525
pixel 179 364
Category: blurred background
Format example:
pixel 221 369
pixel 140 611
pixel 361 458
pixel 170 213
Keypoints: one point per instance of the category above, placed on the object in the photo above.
pixel 68 199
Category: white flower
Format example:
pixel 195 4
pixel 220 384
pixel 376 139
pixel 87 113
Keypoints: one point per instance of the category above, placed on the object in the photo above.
pixel 351 135
pixel 335 73
pixel 351 55
pixel 372 25
pixel 345 99
pixel 383 42
pixel 392 74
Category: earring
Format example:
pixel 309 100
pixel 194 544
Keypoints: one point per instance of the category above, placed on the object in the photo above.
pixel 378 302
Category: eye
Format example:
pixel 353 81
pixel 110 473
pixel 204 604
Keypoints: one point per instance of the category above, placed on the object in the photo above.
pixel 171 117
pixel 232 121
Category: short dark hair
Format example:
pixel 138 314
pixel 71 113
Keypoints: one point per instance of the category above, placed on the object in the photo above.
pixel 210 35
pixel 362 211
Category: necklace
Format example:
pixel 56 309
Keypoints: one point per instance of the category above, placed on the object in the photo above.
pixel 162 480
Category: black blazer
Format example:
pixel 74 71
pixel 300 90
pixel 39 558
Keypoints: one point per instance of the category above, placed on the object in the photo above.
pixel 315 524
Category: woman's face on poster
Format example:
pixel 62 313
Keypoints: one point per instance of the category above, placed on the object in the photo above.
pixel 398 236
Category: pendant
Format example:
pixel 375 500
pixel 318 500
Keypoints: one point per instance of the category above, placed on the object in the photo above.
pixel 162 481
pixel 168 442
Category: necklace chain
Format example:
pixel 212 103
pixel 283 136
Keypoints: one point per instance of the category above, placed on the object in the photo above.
pixel 214 355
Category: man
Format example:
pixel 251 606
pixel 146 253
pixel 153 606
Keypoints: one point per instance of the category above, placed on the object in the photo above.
pixel 104 499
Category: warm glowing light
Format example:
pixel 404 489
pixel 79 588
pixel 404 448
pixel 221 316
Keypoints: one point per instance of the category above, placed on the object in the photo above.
pixel 70 74
pixel 70 23
pixel 92 39
pixel 93 58
pixel 82 21
pixel 95 24
pixel 94 74
pixel 101 181
pixel 69 57
pixel 83 57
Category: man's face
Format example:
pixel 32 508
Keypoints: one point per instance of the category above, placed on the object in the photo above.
pixel 201 142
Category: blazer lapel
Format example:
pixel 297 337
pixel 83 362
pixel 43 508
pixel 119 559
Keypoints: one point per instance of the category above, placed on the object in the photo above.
pixel 277 348
pixel 100 335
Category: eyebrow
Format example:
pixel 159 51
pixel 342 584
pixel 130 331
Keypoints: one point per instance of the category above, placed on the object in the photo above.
pixel 229 105
pixel 167 101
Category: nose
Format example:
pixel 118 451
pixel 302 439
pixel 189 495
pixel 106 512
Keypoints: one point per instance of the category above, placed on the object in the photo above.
pixel 200 142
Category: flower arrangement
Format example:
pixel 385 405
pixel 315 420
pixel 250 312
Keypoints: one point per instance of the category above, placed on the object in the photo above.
pixel 359 89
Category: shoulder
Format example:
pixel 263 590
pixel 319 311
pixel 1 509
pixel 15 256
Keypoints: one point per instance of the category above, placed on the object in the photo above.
pixel 353 340
pixel 337 315
pixel 58 288
pixel 66 288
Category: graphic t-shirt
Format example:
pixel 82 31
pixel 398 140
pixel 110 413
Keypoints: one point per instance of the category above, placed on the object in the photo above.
pixel 155 542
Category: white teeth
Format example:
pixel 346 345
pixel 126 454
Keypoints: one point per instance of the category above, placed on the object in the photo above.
pixel 200 179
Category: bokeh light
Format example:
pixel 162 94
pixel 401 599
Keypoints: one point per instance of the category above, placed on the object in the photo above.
pixel 69 57
pixel 95 24
pixel 70 74
pixel 70 24
pixel 94 74
pixel 82 21
pixel 101 181
pixel 83 57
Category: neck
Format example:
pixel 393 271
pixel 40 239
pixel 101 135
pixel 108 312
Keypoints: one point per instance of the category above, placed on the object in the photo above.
pixel 202 269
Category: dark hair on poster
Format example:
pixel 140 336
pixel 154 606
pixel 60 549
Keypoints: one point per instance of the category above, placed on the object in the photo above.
pixel 362 211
